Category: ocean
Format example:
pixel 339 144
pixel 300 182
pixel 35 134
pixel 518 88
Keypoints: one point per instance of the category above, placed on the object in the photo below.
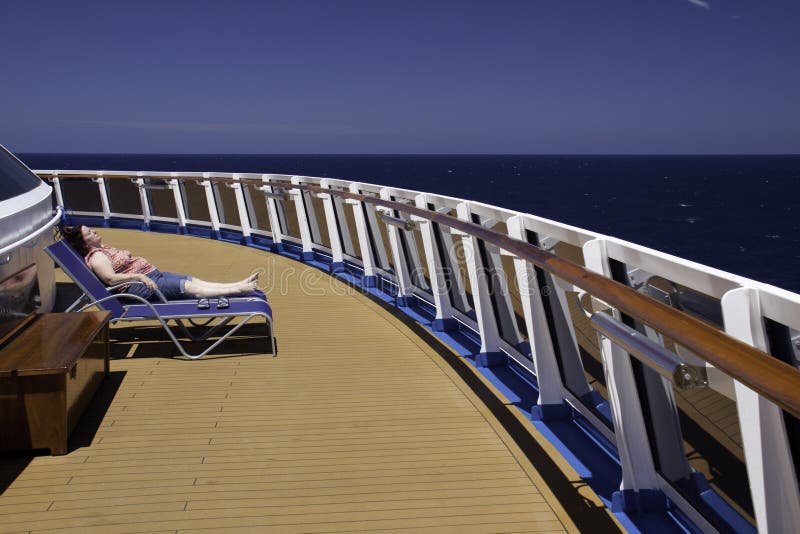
pixel 735 213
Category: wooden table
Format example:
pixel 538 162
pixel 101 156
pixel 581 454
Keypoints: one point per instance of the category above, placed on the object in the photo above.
pixel 48 374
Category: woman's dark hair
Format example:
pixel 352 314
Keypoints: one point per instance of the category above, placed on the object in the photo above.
pixel 74 236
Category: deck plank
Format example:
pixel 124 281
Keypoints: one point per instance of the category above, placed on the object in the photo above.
pixel 357 425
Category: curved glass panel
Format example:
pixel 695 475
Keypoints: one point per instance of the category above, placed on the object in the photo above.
pixel 256 208
pixel 588 344
pixel 564 310
pixel 516 331
pixel 287 214
pixel 81 194
pixel 498 274
pixel 459 283
pixel 451 272
pixel 123 197
pixel 417 261
pixel 227 210
pixel 161 198
pixel 195 203
pixel 347 228
pixel 379 238
pixel 712 444
pixel 315 211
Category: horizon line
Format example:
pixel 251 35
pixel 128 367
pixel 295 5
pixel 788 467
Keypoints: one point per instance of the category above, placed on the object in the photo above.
pixel 421 154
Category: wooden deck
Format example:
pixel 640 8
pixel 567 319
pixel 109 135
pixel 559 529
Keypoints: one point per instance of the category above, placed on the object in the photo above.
pixel 362 423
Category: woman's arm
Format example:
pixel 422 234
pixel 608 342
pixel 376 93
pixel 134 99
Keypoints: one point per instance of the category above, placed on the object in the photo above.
pixel 102 267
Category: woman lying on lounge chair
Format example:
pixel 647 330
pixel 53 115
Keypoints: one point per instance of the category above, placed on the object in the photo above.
pixel 114 266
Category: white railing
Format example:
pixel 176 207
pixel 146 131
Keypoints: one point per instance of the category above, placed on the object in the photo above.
pixel 519 311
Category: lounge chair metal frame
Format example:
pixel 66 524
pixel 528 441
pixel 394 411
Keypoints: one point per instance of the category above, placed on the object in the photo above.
pixel 95 293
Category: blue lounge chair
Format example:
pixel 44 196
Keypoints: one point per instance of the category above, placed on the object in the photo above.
pixel 127 307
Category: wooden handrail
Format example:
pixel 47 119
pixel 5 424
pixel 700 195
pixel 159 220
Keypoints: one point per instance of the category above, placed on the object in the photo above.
pixel 766 375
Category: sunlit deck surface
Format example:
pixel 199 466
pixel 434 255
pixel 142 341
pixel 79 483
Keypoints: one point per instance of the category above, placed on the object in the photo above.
pixel 362 423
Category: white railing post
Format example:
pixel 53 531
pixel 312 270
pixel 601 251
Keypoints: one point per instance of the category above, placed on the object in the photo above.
pixel 178 197
pixel 444 320
pixel 101 185
pixel 302 221
pixel 367 259
pixel 57 189
pixel 333 229
pixel 212 205
pixel 404 287
pixel 272 212
pixel 490 354
pixel 550 404
pixel 770 471
pixel 244 217
pixel 639 478
pixel 139 181
pixel 555 303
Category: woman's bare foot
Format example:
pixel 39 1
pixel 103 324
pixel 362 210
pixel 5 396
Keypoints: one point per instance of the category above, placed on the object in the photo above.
pixel 253 278
pixel 247 286
pixel 253 283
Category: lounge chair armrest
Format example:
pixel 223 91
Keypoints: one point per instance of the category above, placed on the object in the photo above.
pixel 158 293
pixel 123 284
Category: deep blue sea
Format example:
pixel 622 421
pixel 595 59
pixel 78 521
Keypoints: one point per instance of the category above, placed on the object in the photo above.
pixel 737 213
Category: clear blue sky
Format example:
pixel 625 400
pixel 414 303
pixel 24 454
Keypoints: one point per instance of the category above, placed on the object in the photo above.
pixel 379 76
